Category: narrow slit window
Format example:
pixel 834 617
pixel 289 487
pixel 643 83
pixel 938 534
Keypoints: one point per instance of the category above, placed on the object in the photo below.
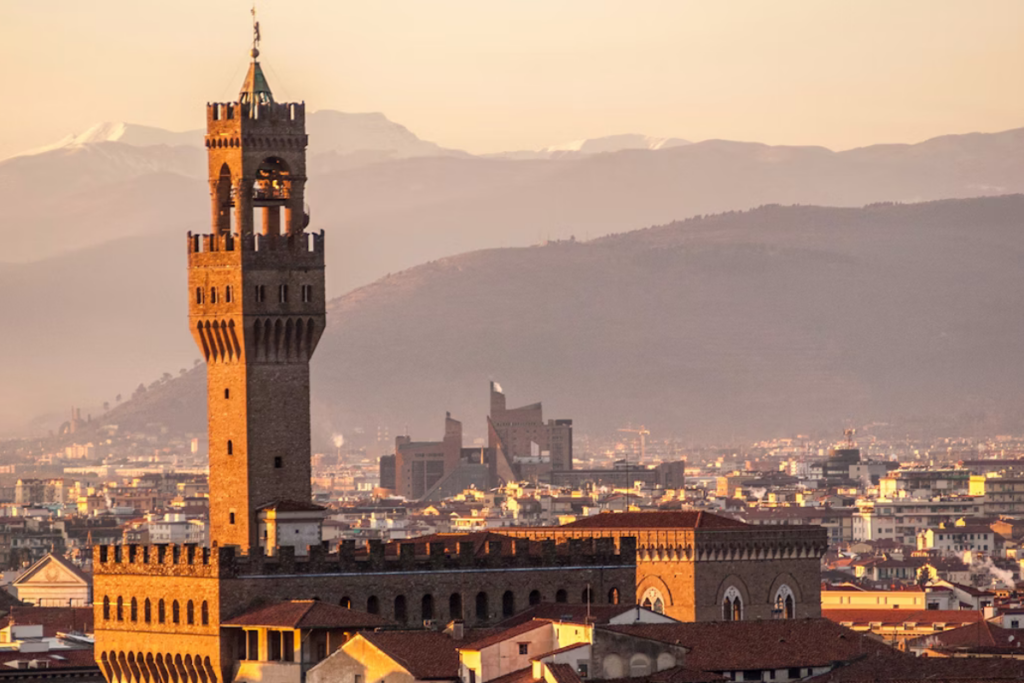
pixel 213 295
pixel 227 294
pixel 282 294
pixel 231 448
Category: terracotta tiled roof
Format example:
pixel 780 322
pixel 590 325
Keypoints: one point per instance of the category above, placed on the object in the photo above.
pixel 56 659
pixel 890 617
pixel 521 676
pixel 677 674
pixel 576 613
pixel 292 506
pixel 678 519
pixel 504 634
pixel 898 667
pixel 306 614
pixel 971 637
pixel 52 619
pixel 563 673
pixel 772 644
pixel 427 655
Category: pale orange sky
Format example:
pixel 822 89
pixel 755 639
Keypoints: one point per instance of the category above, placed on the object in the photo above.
pixel 492 75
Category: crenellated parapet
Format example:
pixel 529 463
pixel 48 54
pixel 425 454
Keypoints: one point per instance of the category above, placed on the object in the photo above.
pixel 302 250
pixel 701 545
pixel 228 563
pixel 228 117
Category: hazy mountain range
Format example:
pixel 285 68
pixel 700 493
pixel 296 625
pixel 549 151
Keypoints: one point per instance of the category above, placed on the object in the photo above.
pixel 94 227
pixel 772 321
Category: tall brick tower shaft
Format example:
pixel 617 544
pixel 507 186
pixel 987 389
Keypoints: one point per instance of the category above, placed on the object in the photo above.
pixel 256 308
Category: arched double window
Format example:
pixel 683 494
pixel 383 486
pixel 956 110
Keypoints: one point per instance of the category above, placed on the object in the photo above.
pixel 732 605
pixel 785 603
pixel 161 612
pixel 653 600
pixel 190 613
pixel 120 609
pixel 147 611
pixel 134 610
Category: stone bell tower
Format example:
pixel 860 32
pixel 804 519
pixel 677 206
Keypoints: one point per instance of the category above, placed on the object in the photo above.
pixel 256 309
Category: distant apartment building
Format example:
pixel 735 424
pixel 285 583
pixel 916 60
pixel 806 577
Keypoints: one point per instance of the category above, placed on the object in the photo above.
pixel 999 495
pixel 176 528
pixel 534 447
pixel 957 538
pixel 922 482
pixel 901 519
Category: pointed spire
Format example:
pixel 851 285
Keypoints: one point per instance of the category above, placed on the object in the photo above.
pixel 255 88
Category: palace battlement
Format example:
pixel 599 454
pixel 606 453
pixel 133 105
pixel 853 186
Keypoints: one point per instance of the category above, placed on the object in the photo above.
pixel 227 562
pixel 702 545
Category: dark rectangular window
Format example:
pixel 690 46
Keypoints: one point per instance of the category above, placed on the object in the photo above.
pixel 278 462
pixel 524 648
pixel 231 518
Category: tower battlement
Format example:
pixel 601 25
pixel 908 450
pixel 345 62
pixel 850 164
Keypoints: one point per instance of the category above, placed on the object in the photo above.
pixel 264 116
pixel 227 562
pixel 305 249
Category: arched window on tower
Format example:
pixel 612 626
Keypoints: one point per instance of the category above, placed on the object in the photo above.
pixel 373 605
pixel 213 295
pixel 175 612
pixel 190 613
pixel 561 595
pixel 106 608
pixel 147 611
pixel 199 295
pixel 455 606
pixel 400 612
pixel 134 610
pixel 282 294
pixel 161 612
pixel 482 608
pixel 227 294
pixel 120 608
pixel 427 607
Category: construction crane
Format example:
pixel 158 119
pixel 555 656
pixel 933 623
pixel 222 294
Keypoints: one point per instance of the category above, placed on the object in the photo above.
pixel 642 434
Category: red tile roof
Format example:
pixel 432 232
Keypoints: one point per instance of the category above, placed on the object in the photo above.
pixel 677 519
pixel 676 674
pixel 306 614
pixel 292 506
pixel 521 676
pixel 563 673
pixel 52 619
pixel 899 667
pixel 576 613
pixel 772 644
pixel 56 659
pixel 890 617
pixel 505 634
pixel 427 655
pixel 971 637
